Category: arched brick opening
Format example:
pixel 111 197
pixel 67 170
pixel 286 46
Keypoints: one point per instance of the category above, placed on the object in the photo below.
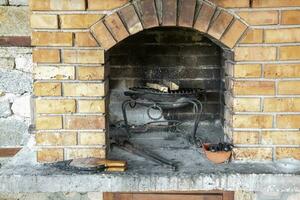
pixel 218 24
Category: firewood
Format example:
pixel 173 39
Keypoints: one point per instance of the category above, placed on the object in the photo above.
pixel 94 162
pixel 116 169
pixel 171 85
pixel 113 163
pixel 157 86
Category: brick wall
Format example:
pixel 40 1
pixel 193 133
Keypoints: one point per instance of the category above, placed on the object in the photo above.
pixel 183 56
pixel 259 39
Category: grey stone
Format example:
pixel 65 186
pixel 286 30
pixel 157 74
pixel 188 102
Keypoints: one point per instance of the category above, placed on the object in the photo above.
pixel 21 106
pixel 24 62
pixel 5 110
pixel 243 195
pixel 13 131
pixel 269 196
pixel 295 196
pixel 18 2
pixel 14 21
pixel 3 2
pixel 45 196
pixel 14 51
pixel 15 82
pixel 95 195
pixel 7 63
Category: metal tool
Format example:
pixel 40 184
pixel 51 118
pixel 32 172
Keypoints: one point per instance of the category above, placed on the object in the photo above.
pixel 66 166
pixel 161 101
pixel 122 142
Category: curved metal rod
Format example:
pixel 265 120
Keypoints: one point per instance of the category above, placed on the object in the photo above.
pixel 124 104
pixel 197 105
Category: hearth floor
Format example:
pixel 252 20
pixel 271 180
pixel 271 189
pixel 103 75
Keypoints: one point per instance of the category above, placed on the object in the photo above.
pixel 190 160
pixel 170 145
pixel 23 174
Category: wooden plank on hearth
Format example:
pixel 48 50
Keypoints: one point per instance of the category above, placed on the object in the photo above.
pixel 15 41
pixel 8 152
pixel 124 196
pixel 177 196
pixel 228 196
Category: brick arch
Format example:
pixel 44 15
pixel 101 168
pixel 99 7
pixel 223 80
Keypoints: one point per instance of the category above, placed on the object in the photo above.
pixel 218 24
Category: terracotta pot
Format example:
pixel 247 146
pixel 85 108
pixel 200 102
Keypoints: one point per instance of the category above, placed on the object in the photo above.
pixel 216 157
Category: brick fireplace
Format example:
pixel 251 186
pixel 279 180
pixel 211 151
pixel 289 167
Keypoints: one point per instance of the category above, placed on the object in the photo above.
pixel 258 58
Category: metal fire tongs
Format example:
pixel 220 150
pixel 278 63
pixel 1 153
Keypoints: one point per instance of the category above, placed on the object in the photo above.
pixel 124 144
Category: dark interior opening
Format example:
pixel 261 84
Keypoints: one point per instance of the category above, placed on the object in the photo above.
pixel 183 56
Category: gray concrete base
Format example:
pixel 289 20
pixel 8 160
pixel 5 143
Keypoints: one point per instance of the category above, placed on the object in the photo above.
pixel 22 174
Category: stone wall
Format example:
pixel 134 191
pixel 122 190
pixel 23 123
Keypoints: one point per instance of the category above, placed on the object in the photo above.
pixel 15 73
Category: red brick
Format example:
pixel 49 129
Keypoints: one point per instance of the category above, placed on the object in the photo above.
pixel 85 122
pixel 186 13
pixel 232 3
pixel 290 17
pixel 50 155
pixel 56 139
pixel 149 15
pixel 289 53
pixel 169 15
pixel 85 39
pixel 102 35
pixel 253 154
pixel 83 56
pixel 105 4
pixel 252 121
pixel 260 17
pixel 57 5
pixel 275 3
pixel 281 138
pixel 220 25
pixel 44 21
pixel 254 88
pixel 115 25
pixel 289 87
pixel 48 123
pixel 288 121
pixel 78 21
pixel 75 153
pixel 46 56
pixel 234 33
pixel 52 39
pixel 287 35
pixel 282 153
pixel 204 18
pixel 282 71
pixel 85 89
pixel 253 36
pixel 131 19
pixel 255 53
pixel 245 137
pixel 282 105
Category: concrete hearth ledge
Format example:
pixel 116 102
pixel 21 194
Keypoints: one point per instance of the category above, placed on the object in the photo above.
pixel 21 174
